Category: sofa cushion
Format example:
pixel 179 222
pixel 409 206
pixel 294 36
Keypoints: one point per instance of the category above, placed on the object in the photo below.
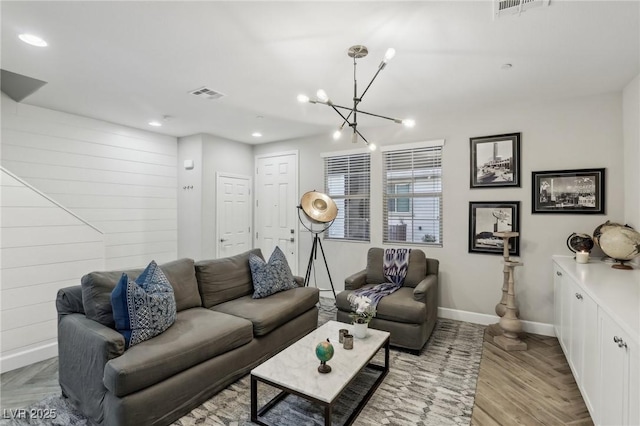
pixel 221 280
pixel 415 273
pixel 270 312
pixel 97 287
pixel 182 276
pixel 197 335
pixel 399 306
pixel 270 277
pixel 144 307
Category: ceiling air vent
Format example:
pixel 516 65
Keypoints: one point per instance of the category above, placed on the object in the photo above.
pixel 513 7
pixel 206 93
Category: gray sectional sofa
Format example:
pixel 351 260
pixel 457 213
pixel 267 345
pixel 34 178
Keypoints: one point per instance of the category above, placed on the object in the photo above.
pixel 219 335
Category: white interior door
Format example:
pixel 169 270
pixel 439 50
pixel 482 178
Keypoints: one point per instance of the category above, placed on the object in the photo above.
pixel 276 205
pixel 233 205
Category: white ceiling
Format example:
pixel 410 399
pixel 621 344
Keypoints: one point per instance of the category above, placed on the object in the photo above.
pixel 130 62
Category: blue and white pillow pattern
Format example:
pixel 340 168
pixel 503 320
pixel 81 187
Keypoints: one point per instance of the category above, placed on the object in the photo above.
pixel 272 277
pixel 145 307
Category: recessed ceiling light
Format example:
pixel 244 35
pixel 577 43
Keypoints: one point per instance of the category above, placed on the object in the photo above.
pixel 506 66
pixel 33 40
pixel 256 134
pixel 155 123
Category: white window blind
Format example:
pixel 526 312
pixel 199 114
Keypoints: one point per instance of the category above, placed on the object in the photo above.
pixel 412 182
pixel 346 181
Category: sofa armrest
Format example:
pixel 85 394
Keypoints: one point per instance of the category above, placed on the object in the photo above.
pixel 84 348
pixel 427 288
pixel 355 281
pixel 299 280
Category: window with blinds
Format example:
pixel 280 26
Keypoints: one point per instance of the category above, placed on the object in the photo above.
pixel 346 181
pixel 412 200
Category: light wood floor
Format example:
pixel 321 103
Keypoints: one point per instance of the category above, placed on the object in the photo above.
pixel 533 387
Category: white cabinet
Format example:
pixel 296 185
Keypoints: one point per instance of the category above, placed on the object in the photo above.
pixel 619 391
pixel 597 321
pixel 576 316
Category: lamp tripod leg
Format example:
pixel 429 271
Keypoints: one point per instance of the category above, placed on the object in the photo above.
pixel 307 276
pixel 327 266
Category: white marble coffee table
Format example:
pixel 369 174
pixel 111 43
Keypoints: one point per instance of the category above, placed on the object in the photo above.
pixel 295 370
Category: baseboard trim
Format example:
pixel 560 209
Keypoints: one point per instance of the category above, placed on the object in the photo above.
pixel 28 357
pixel 541 328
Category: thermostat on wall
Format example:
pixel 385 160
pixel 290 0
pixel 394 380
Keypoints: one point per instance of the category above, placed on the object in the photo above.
pixel 188 164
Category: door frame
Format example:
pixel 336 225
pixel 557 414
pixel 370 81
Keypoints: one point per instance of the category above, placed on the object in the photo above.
pixel 251 198
pixel 296 187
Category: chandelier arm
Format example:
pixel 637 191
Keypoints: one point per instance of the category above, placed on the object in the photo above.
pixel 346 119
pixel 360 134
pixel 397 120
pixel 369 85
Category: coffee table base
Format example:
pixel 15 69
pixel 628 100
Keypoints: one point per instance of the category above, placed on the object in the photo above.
pixel 328 407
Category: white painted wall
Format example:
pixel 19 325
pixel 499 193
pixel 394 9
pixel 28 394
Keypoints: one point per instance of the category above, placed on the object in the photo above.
pixel 119 179
pixel 44 248
pixel 197 206
pixel 569 134
pixel 190 199
pixel 631 130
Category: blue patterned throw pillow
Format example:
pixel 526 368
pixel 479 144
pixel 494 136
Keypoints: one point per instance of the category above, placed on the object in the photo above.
pixel 271 277
pixel 145 307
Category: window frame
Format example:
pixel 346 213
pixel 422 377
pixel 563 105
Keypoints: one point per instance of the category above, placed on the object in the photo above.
pixel 418 153
pixel 361 161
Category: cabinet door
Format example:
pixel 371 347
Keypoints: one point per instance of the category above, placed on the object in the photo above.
pixel 557 301
pixel 590 351
pixel 567 297
pixel 619 390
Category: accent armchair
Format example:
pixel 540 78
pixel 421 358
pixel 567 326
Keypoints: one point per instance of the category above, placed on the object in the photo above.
pixel 409 313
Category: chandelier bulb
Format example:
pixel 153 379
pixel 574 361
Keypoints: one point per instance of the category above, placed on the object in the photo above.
pixel 372 146
pixel 337 134
pixel 389 54
pixel 322 95
pixel 354 138
pixel 303 98
pixel 409 122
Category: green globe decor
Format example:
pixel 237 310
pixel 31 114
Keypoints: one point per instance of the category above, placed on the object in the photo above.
pixel 324 352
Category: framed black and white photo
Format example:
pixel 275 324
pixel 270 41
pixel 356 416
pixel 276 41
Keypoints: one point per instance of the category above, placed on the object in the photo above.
pixel 579 191
pixel 487 217
pixel 495 161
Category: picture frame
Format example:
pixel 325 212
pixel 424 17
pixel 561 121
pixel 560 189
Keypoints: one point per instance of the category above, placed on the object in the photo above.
pixel 495 161
pixel 578 191
pixel 487 217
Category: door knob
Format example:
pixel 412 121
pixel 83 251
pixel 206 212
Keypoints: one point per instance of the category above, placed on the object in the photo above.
pixel 222 240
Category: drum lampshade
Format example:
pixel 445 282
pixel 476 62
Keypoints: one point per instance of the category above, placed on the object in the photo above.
pixel 318 207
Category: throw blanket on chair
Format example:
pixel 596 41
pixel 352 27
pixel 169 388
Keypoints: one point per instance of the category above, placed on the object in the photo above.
pixel 396 264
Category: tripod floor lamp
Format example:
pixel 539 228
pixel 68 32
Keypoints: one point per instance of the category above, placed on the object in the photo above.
pixel 320 211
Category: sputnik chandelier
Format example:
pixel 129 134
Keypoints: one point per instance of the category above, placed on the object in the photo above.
pixel 356 52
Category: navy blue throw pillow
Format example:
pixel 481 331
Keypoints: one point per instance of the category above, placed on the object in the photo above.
pixel 145 307
pixel 271 277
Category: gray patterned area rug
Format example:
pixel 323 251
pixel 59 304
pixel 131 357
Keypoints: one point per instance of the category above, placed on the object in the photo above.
pixel 435 388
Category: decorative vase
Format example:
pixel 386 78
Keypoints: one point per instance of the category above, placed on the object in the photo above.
pixel 360 329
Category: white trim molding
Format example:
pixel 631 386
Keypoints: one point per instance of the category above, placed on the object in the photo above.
pixel 28 357
pixel 485 319
pixel 413 145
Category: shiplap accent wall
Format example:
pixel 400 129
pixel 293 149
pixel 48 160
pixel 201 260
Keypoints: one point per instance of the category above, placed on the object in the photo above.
pixel 121 180
pixel 44 248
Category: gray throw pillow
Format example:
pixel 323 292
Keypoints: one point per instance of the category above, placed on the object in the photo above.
pixel 270 277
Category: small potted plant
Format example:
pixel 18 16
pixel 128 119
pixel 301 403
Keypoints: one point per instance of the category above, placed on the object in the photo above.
pixel 363 312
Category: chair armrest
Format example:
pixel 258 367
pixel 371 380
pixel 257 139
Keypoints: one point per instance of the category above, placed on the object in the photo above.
pixel 428 285
pixel 355 281
pixel 84 348
pixel 299 280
